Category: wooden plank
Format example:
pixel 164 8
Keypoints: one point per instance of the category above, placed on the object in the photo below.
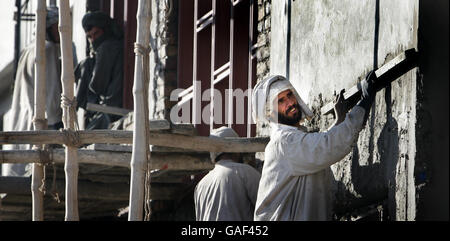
pixel 107 109
pixel 195 143
pixel 183 129
pixel 128 148
pixel 171 149
pixel 387 73
pixel 156 125
pixel 169 161
pixel 110 147
pixel 87 190
pixel 18 207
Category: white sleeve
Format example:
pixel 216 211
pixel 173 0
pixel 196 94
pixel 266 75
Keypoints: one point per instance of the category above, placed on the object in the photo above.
pixel 251 182
pixel 311 152
pixel 197 204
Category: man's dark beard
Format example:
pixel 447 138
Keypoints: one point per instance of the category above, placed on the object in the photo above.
pixel 283 118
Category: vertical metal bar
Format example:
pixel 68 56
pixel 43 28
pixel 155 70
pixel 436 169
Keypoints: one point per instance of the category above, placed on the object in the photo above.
pixel 112 9
pixel 194 67
pixel 250 73
pixel 213 51
pixel 288 40
pixel 17 36
pixel 29 23
pixel 230 77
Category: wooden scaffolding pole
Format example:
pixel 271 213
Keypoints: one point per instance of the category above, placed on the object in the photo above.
pixel 141 153
pixel 39 121
pixel 68 104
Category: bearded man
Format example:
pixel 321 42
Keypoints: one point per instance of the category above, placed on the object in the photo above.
pixel 99 77
pixel 296 177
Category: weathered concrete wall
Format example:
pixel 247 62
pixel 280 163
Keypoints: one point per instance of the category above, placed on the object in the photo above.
pixel 163 57
pixel 263 39
pixel 324 46
pixel 263 57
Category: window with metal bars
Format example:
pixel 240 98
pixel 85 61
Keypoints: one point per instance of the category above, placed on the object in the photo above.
pixel 216 63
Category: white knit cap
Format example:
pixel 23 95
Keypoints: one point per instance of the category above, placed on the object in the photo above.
pixel 264 94
pixel 219 133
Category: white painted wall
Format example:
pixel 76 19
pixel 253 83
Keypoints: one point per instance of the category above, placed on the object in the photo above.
pixel 332 47
pixel 7 9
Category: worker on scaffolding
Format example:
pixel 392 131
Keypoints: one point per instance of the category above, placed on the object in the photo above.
pixel 20 116
pixel 296 176
pixel 228 192
pixel 99 77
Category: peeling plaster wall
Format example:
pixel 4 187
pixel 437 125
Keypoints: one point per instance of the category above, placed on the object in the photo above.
pixel 330 45
pixel 163 57
pixel 263 57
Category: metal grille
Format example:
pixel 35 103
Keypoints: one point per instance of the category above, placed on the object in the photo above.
pixel 223 59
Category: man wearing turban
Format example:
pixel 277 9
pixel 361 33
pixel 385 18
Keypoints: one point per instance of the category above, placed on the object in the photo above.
pixel 100 76
pixel 295 180
pixel 20 116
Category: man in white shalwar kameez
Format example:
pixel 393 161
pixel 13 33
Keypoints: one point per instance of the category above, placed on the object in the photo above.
pixel 20 116
pixel 228 192
pixel 296 176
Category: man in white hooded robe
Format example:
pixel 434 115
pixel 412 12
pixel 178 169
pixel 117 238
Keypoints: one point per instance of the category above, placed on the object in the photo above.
pixel 20 115
pixel 227 192
pixel 295 180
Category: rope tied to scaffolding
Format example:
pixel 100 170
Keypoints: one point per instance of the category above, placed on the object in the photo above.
pixel 70 106
pixel 54 191
pixel 144 52
pixel 147 204
pixel 44 159
pixel 42 123
pixel 141 49
pixel 71 137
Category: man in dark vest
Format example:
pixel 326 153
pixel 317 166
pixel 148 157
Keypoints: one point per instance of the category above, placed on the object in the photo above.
pixel 100 76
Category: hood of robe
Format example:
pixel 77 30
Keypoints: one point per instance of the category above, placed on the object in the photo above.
pixel 265 93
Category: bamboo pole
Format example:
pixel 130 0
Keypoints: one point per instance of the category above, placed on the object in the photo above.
pixel 140 154
pixel 68 105
pixel 39 110
pixel 195 143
